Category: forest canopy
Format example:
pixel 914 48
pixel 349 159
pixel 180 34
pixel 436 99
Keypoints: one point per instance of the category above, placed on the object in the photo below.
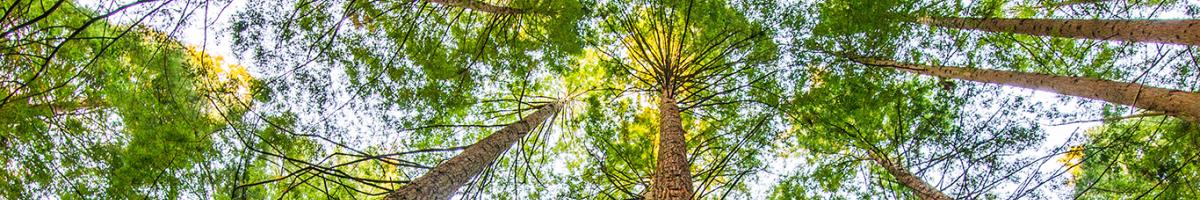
pixel 598 99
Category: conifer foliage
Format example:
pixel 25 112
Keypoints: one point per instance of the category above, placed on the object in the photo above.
pixel 599 99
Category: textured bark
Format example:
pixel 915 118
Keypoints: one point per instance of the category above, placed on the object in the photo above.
pixel 1182 104
pixel 1185 32
pixel 445 179
pixel 923 190
pixel 1068 3
pixel 672 174
pixel 67 107
pixel 71 106
pixel 1074 3
pixel 480 6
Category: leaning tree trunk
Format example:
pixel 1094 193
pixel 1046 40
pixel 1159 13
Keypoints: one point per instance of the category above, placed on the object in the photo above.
pixel 1185 32
pixel 672 176
pixel 1172 102
pixel 480 6
pixel 445 179
pixel 924 190
pixel 1074 3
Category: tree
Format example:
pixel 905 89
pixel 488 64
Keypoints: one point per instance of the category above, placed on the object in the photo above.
pixel 679 54
pixel 1183 104
pixel 1109 167
pixel 96 109
pixel 450 67
pixel 908 138
pixel 480 6
pixel 446 178
pixel 923 189
pixel 1157 31
pixel 965 154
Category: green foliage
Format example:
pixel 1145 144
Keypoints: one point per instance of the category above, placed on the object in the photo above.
pixel 869 22
pixel 104 118
pixel 353 99
pixel 1144 158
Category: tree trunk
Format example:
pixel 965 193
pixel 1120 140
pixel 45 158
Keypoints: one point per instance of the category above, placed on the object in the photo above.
pixel 1074 3
pixel 672 175
pixel 65 107
pixel 445 179
pixel 1185 32
pixel 1182 104
pixel 480 6
pixel 923 190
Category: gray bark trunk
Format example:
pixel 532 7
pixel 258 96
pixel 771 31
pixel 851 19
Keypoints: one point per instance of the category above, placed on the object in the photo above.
pixel 442 181
pixel 1185 32
pixel 902 175
pixel 480 6
pixel 1182 104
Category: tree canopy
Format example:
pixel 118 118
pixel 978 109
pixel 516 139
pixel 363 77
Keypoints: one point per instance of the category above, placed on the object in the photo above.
pixel 597 99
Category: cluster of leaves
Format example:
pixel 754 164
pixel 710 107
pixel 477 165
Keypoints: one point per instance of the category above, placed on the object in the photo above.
pixel 1146 158
pixel 94 110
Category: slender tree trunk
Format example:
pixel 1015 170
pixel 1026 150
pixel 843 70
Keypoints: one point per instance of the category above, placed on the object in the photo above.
pixel 1176 103
pixel 924 190
pixel 672 175
pixel 62 107
pixel 480 6
pixel 1074 3
pixel 72 106
pixel 445 179
pixel 1185 32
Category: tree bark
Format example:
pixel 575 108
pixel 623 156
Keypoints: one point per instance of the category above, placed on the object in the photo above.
pixel 923 189
pixel 1080 2
pixel 672 174
pixel 480 6
pixel 1182 104
pixel 445 179
pixel 1184 31
pixel 1073 3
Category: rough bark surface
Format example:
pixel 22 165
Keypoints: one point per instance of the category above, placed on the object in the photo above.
pixel 1075 3
pixel 480 6
pixel 1185 32
pixel 924 190
pixel 442 181
pixel 672 175
pixel 1182 104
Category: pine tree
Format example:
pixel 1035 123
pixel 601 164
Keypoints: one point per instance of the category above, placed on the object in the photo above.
pixel 1178 103
pixel 1182 31
pixel 444 180
pixel 923 189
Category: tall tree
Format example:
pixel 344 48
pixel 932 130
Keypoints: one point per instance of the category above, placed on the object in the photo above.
pixel 1153 157
pixel 905 177
pixel 1170 31
pixel 672 173
pixel 95 108
pixel 442 181
pixel 480 6
pixel 683 52
pixel 908 138
pixel 435 73
pixel 1178 103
